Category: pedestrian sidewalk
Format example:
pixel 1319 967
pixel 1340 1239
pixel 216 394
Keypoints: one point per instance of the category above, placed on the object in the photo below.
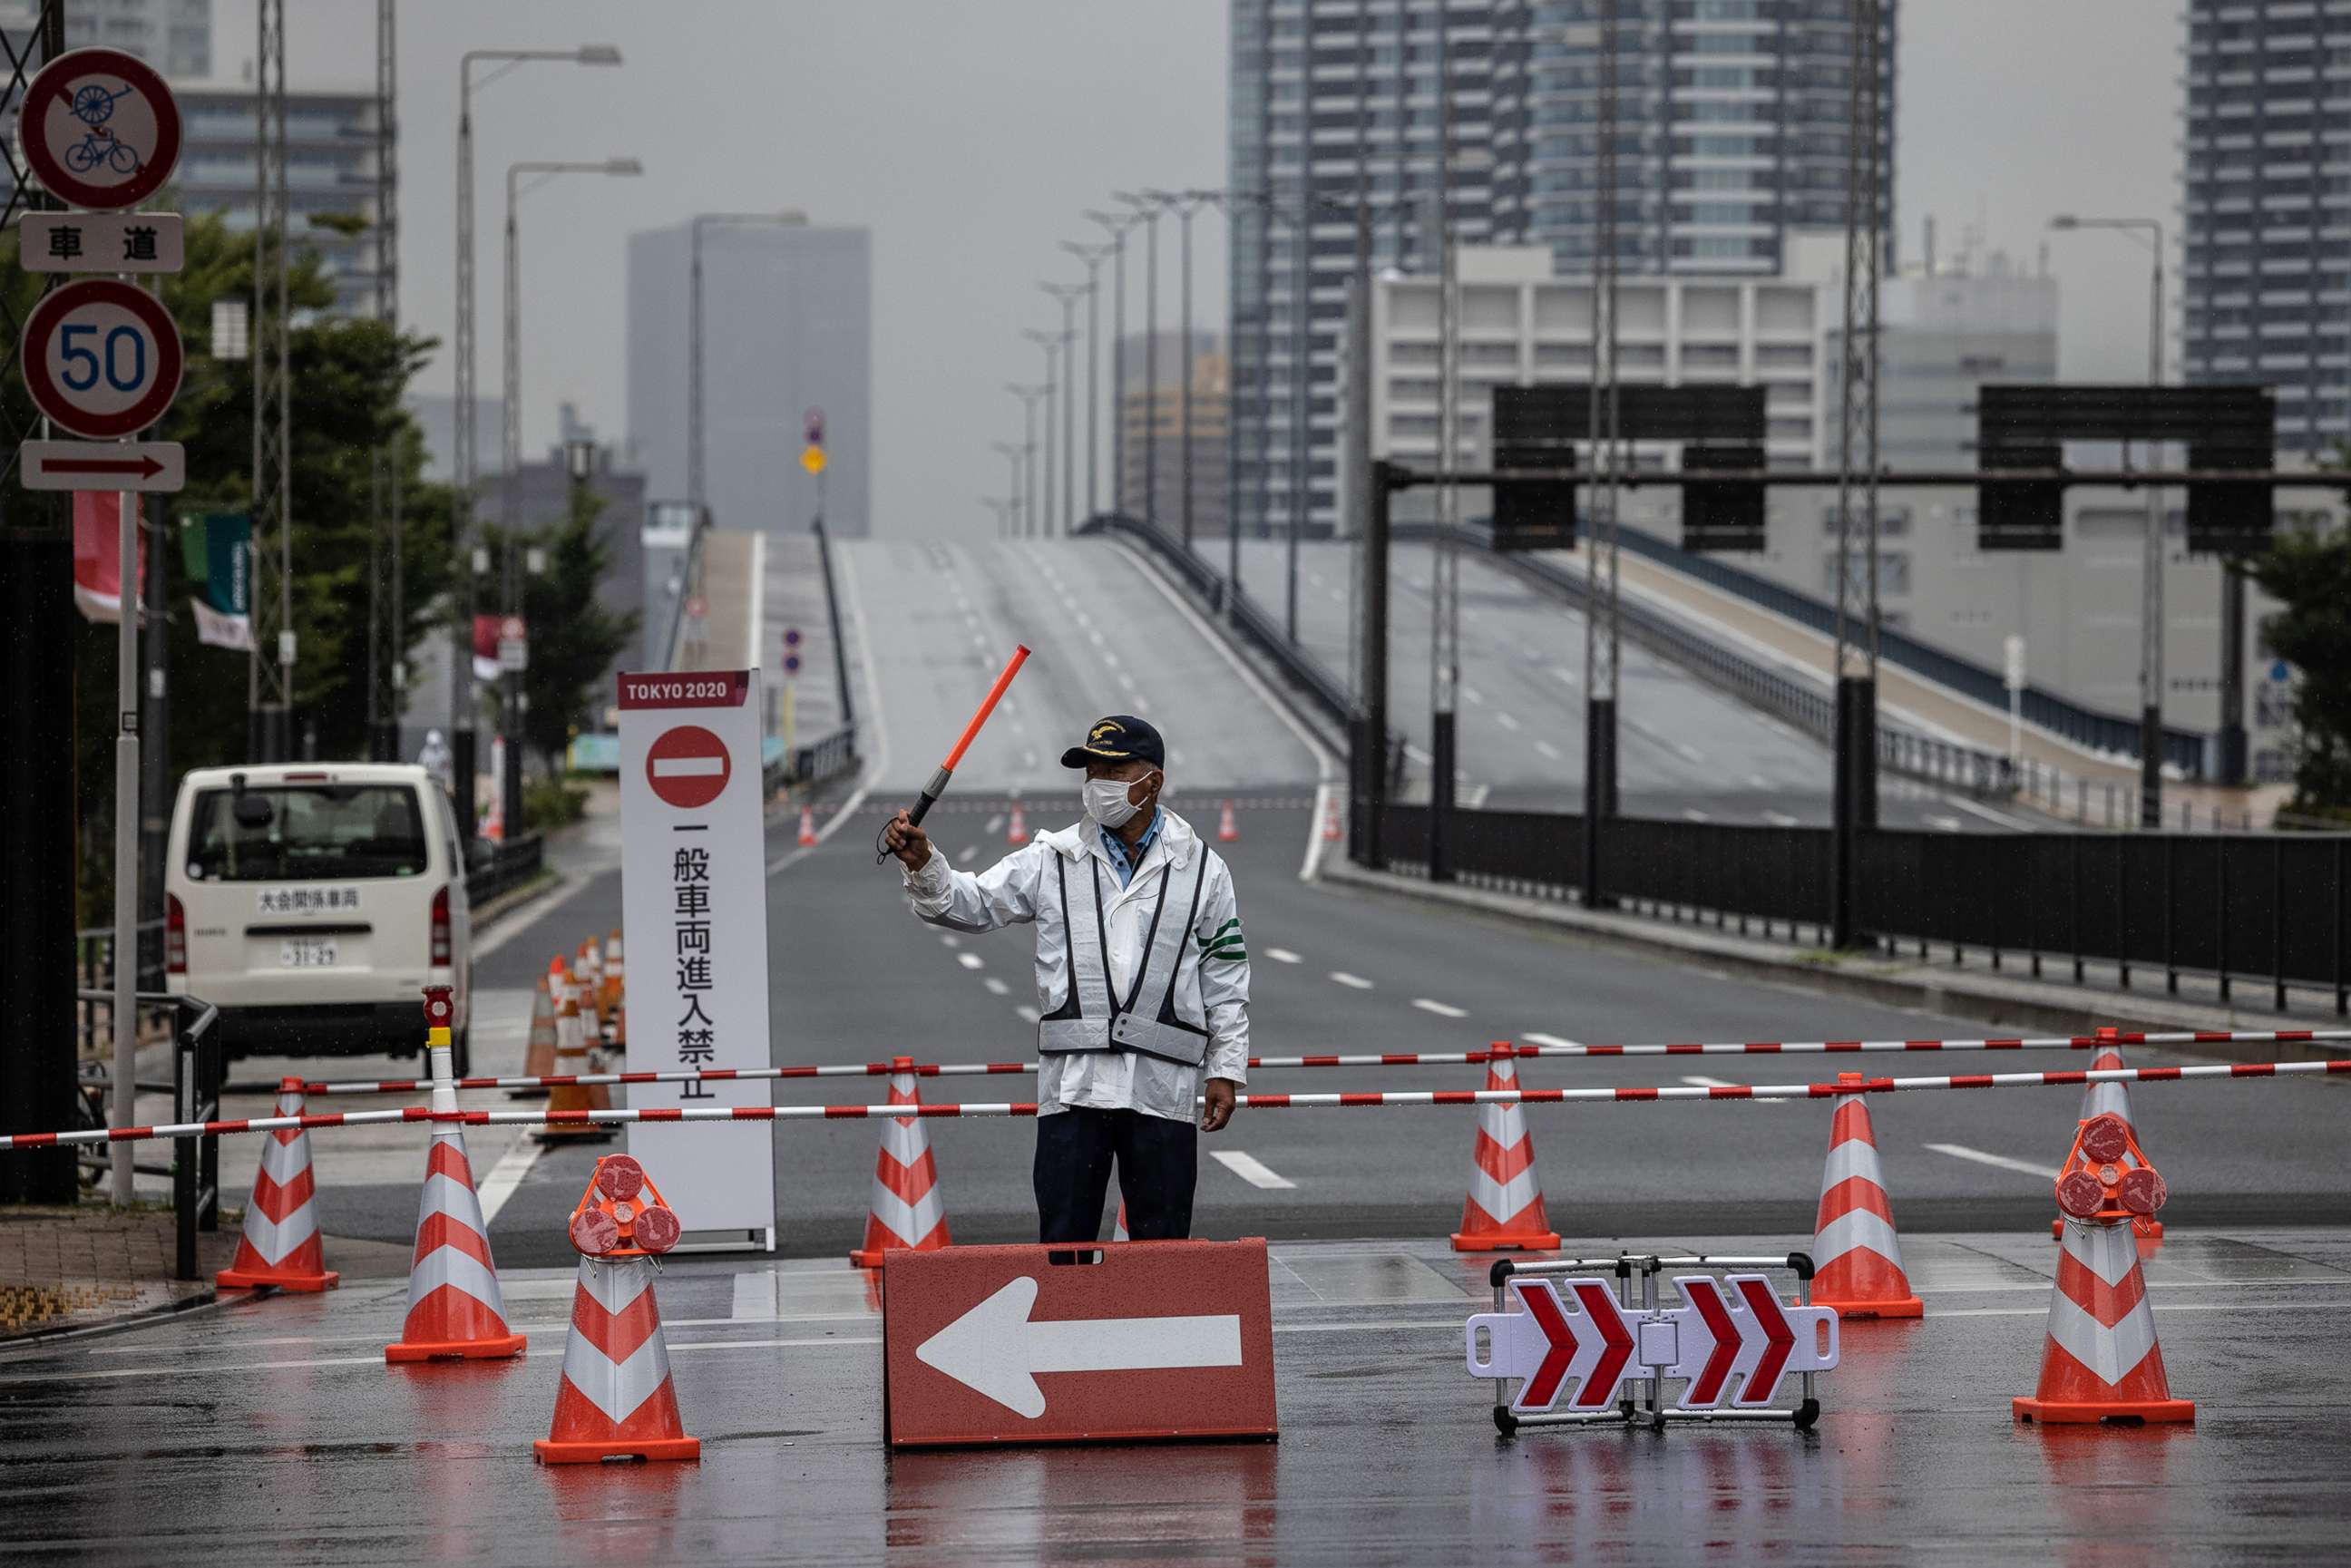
pixel 83 1266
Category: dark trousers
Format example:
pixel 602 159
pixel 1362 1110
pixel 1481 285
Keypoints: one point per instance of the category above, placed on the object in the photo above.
pixel 1158 1161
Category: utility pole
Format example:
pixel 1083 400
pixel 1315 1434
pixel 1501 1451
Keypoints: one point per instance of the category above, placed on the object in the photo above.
pixel 1050 343
pixel 387 620
pixel 1117 225
pixel 270 668
pixel 1445 576
pixel 1854 803
pixel 1601 633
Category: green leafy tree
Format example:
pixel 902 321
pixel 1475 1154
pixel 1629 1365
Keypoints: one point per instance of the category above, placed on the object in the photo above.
pixel 574 637
pixel 2307 569
pixel 347 379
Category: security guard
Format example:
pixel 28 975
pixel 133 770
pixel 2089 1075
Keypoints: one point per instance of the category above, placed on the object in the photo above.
pixel 1142 984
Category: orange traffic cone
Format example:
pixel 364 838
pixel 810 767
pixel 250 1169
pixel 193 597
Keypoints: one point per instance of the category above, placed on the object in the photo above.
pixel 455 1308
pixel 1118 1230
pixel 280 1245
pixel 1505 1205
pixel 2108 1100
pixel 906 1212
pixel 590 966
pixel 808 826
pixel 1856 1253
pixel 1016 832
pixel 2101 1361
pixel 1331 834
pixel 1229 831
pixel 617 1400
pixel 571 1057
pixel 616 990
pixel 538 1055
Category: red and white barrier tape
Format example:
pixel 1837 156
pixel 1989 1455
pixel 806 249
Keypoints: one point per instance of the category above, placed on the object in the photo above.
pixel 1258 1102
pixel 1502 1050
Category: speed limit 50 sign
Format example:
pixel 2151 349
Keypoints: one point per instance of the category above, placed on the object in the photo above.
pixel 101 358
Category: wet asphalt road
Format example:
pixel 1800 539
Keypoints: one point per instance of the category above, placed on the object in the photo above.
pixel 273 1432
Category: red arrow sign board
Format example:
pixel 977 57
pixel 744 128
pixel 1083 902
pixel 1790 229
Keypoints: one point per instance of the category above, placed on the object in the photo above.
pixel 153 465
pixel 1155 1340
pixel 1571 1332
pixel 1745 1333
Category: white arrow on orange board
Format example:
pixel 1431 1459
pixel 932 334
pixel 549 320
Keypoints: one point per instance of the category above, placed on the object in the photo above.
pixel 996 1349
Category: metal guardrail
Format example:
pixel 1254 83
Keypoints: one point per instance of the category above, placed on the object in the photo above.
pixel 199 1069
pixel 493 868
pixel 813 762
pixel 2184 748
pixel 1807 707
pixel 94 956
pixel 2273 908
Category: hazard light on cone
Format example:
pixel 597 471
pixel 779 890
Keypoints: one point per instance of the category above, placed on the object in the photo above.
pixel 617 1399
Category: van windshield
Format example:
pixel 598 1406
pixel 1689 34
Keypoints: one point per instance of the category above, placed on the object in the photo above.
pixel 312 832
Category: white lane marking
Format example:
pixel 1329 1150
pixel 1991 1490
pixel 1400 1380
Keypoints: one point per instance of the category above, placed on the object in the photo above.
pixel 948 939
pixel 1251 1169
pixel 1700 1081
pixel 507 1174
pixel 1564 673
pixel 994 823
pixel 1506 721
pixel 969 851
pixel 1442 1010
pixel 1353 982
pixel 1531 1037
pixel 1945 825
pixel 1961 1151
pixel 755 1297
pixel 1780 819
pixel 996 987
pixel 1027 1013
pixel 1687 749
pixel 1472 694
pixel 1548 749
pixel 1694 815
pixel 971 961
pixel 1281 954
pixel 2017 824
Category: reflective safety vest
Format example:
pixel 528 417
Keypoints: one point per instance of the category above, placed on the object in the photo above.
pixel 1147 1019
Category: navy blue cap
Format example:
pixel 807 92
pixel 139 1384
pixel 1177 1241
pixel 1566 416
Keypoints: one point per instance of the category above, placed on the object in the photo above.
pixel 1119 737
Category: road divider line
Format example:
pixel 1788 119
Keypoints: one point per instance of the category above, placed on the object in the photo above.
pixel 1251 1169
pixel 506 1175
pixel 971 961
pixel 996 987
pixel 1283 955
pixel 1353 982
pixel 1961 1151
pixel 1442 1010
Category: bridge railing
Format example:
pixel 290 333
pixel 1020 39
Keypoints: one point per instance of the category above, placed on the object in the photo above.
pixel 2274 908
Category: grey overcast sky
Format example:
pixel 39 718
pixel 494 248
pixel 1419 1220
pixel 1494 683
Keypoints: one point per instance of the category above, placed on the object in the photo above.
pixel 968 135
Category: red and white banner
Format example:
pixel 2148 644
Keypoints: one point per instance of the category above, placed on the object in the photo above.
pixel 98 556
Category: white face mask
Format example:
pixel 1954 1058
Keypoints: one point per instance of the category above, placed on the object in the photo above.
pixel 1106 803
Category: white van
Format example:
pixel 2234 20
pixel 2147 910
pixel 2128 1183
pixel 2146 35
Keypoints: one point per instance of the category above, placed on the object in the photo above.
pixel 313 903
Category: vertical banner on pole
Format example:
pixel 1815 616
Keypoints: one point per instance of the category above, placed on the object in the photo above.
pixel 694 911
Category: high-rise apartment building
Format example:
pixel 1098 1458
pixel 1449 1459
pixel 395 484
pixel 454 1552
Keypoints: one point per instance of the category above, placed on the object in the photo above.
pixel 1731 117
pixel 1151 434
pixel 175 37
pixel 786 329
pixel 2266 285
pixel 332 148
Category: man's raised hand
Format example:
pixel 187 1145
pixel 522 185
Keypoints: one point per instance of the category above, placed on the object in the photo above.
pixel 903 839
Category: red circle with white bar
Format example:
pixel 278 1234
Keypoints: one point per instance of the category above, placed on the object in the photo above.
pixel 100 129
pixel 688 767
pixel 102 357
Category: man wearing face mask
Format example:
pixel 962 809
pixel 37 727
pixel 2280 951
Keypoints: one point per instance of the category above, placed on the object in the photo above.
pixel 1142 984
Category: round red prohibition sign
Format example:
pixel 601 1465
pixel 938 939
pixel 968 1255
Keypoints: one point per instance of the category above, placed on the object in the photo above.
pixel 102 357
pixel 688 767
pixel 100 129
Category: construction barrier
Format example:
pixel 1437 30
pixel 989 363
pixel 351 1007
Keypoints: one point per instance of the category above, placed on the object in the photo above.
pixel 2102 1040
pixel 1731 1344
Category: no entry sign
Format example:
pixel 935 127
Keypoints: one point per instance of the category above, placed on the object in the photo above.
pixel 1002 1344
pixel 693 909
pixel 99 128
pixel 101 358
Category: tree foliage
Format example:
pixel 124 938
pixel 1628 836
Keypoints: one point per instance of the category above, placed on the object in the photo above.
pixel 574 636
pixel 2307 569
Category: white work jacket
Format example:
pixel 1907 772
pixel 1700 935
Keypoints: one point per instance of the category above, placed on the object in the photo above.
pixel 1054 881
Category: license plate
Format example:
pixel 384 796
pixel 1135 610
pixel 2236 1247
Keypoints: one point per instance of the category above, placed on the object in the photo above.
pixel 307 953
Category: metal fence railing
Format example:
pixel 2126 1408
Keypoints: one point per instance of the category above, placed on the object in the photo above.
pixel 493 868
pixel 199 1068
pixel 2264 907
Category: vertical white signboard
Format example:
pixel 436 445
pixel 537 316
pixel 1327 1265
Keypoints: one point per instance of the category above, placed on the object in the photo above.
pixel 694 912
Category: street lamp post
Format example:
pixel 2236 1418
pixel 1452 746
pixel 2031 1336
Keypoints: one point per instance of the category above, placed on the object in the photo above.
pixel 1185 203
pixel 1149 206
pixel 1011 452
pixel 1051 342
pixel 1091 255
pixel 1118 225
pixel 461 645
pixel 510 497
pixel 1028 397
pixel 2149 233
pixel 1068 295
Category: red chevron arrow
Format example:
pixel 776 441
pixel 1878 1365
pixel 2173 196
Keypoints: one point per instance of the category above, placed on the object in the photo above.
pixel 1706 1297
pixel 1600 1310
pixel 144 468
pixel 1779 1339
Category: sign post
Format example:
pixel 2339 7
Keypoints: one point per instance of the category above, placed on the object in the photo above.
pixel 694 912
pixel 101 357
pixel 2012 648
